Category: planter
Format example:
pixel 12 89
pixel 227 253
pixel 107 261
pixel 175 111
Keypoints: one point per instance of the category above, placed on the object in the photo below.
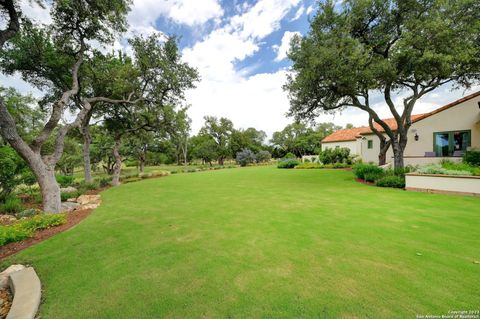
pixel 443 184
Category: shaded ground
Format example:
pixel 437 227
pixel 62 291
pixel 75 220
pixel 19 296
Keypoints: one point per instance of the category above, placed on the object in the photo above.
pixel 263 243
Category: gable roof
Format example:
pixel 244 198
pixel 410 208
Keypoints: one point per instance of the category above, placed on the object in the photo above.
pixel 345 134
pixel 353 133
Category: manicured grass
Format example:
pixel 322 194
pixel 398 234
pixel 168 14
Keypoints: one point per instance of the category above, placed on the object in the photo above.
pixel 263 242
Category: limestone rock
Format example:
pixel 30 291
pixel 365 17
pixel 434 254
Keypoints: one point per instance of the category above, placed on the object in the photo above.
pixel 7 219
pixel 92 201
pixel 7 272
pixel 72 200
pixel 68 206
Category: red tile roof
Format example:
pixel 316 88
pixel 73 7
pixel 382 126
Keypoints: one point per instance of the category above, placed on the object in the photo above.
pixel 352 134
pixel 345 134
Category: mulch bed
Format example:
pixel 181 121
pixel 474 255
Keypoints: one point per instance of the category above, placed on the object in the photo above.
pixel 5 302
pixel 73 218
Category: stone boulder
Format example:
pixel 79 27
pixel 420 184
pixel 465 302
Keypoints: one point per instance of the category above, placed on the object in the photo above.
pixel 7 272
pixel 69 206
pixel 89 201
pixel 7 219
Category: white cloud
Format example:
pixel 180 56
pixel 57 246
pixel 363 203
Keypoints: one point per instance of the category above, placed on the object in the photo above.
pixel 284 47
pixel 226 91
pixel 192 13
pixel 298 14
pixel 33 11
pixel 309 9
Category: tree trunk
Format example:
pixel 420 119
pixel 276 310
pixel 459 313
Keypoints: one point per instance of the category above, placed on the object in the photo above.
pixel 398 156
pixel 142 162
pixel 220 161
pixel 118 161
pixel 87 140
pixel 382 156
pixel 45 173
pixel 87 166
pixel 50 190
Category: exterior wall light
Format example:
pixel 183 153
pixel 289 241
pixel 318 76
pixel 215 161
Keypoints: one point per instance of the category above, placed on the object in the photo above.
pixel 416 137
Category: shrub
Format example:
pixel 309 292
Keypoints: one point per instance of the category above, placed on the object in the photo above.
pixel 290 156
pixel 27 227
pixel 84 186
pixel 13 171
pixel 245 157
pixel 335 155
pixel 360 170
pixel 472 157
pixel 373 176
pixel 65 180
pixel 12 205
pixel 263 156
pixel 340 165
pixel 309 166
pixel 104 181
pixel 131 163
pixel 65 196
pixel 288 163
pixel 391 181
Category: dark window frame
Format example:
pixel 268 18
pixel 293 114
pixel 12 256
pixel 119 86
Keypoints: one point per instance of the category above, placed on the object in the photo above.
pixel 451 142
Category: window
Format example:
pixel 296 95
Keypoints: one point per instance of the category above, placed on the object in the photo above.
pixel 451 143
pixel 370 143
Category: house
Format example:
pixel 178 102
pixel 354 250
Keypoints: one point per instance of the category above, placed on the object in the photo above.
pixel 446 132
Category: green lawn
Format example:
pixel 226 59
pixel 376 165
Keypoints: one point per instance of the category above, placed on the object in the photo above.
pixel 263 243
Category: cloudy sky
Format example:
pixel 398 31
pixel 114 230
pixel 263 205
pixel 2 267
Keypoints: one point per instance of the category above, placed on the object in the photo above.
pixel 239 48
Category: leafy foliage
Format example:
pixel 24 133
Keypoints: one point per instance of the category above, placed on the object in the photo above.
pixel 393 181
pixel 27 227
pixel 335 155
pixel 361 170
pixel 263 156
pixel 245 157
pixel 13 172
pixel 11 205
pixel 472 157
pixel 288 163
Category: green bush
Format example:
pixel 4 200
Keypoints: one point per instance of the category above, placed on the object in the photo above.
pixel 65 180
pixel 340 165
pixel 391 181
pixel 84 186
pixel 472 157
pixel 373 176
pixel 288 163
pixel 13 172
pixel 104 181
pixel 360 170
pixel 132 163
pixel 335 155
pixel 308 165
pixel 26 228
pixel 66 196
pixel 290 156
pixel 12 205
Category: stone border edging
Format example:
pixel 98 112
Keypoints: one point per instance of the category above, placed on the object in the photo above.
pixel 26 290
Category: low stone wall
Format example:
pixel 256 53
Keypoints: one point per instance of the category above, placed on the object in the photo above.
pixel 443 184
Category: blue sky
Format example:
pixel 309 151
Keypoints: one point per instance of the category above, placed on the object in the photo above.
pixel 239 48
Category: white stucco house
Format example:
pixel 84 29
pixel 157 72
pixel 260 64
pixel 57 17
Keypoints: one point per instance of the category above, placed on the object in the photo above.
pixel 446 132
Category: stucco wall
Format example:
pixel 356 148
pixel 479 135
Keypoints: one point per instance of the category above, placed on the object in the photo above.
pixel 442 183
pixel 464 116
pixel 354 146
